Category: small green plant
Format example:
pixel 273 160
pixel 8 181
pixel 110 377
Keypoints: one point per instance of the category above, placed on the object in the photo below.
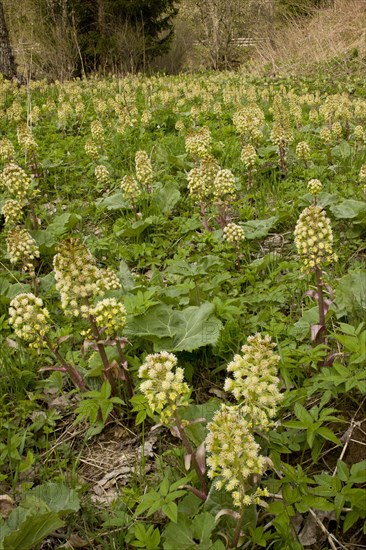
pixel 163 499
pixel 95 407
pixel 313 422
pixel 146 537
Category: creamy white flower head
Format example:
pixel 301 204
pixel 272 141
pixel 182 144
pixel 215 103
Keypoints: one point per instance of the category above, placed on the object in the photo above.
pixel 164 388
pixel 255 382
pixel 232 453
pixel 29 318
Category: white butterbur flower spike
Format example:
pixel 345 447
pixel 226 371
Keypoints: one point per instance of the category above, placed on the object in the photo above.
pixel 7 151
pixel 22 248
pixel 315 186
pixel 233 233
pixel 16 181
pixel 130 188
pixel 198 142
pixel 201 178
pixel 362 174
pixel 248 121
pixel 164 388
pixel 358 133
pixel 97 132
pixel 78 278
pixel 233 455
pixel 26 139
pixel 248 156
pixel 102 174
pixel 303 150
pixel 29 319
pixel 109 315
pixel 108 280
pixel 12 211
pixel 144 171
pixel 224 185
pixel 91 149
pixel 255 383
pixel 314 239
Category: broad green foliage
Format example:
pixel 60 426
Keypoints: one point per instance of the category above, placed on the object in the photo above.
pixel 39 513
pixel 173 330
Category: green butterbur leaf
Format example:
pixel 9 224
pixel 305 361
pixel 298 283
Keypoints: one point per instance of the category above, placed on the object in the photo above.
pixel 173 330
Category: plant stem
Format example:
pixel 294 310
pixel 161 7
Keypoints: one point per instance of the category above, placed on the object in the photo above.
pixel 237 531
pixel 222 209
pixel 190 451
pixel 124 365
pixel 319 283
pixel 250 179
pixel 70 369
pixel 282 157
pixel 34 283
pixel 197 292
pixel 203 217
pixel 107 372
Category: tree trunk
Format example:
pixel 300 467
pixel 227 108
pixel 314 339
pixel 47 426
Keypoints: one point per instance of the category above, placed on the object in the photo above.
pixel 7 61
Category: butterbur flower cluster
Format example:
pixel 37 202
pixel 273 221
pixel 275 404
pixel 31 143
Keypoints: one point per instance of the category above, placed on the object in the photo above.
pixel 25 139
pixel 295 112
pixel 217 108
pixel 195 113
pixel 100 106
pixel 326 135
pixel 102 174
pixel 146 117
pixel 248 122
pixel 30 320
pixel 358 133
pixel 109 315
pixel 144 171
pixel 16 181
pixel 233 233
pixel 248 156
pixel 201 179
pixel 130 187
pixel 22 248
pixel 179 125
pixel 224 184
pixel 255 382
pixel 91 149
pixel 303 150
pixel 97 132
pixel 315 186
pixel 108 280
pixel 313 116
pixel 362 174
pixel 77 276
pixel 64 112
pixel 7 151
pixel 281 134
pixel 15 111
pixel 12 211
pixel 233 454
pixel 79 108
pixel 164 388
pixel 35 114
pixel 337 129
pixel 314 238
pixel 198 143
